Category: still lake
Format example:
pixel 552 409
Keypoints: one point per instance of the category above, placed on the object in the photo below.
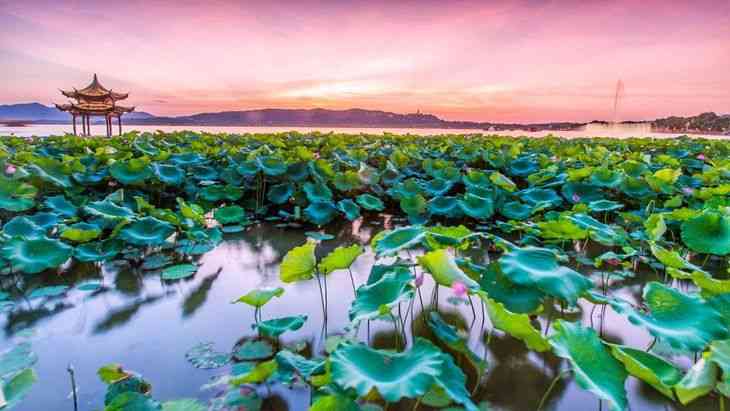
pixel 148 325
pixel 590 130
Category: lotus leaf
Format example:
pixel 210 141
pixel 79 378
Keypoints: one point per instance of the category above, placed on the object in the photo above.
pixel 320 213
pixel 340 258
pixel 700 380
pixel 444 270
pixel 708 232
pixel 169 174
pixel 81 232
pixel 594 368
pixel 515 298
pixel 133 171
pixel 377 298
pixel 259 297
pixel 370 202
pixel 403 238
pixel 230 214
pixel 280 193
pixel 349 208
pixel 61 206
pixel 254 350
pixel 477 207
pixel 299 263
pixel 147 231
pixel 685 322
pixel 98 250
pixel 204 357
pixel 538 267
pixel 108 210
pixel 653 370
pixel 35 255
pixel 179 271
pixel 276 327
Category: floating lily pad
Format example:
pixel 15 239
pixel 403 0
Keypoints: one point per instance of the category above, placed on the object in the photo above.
pixel 275 327
pixel 205 357
pixel 147 231
pixel 179 271
pixel 36 255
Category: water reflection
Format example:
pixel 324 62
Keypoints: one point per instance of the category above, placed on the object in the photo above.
pixel 147 324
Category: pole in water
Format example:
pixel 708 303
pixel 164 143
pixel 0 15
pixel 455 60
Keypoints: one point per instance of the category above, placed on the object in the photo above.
pixel 70 370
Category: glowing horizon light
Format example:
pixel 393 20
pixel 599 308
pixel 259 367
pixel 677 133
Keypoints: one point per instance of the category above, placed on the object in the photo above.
pixel 508 61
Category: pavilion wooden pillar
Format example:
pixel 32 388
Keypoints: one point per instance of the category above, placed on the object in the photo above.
pixel 119 121
pixel 88 125
pixel 73 118
pixel 83 124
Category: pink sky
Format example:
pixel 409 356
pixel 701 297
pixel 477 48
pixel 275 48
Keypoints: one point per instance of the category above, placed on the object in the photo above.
pixel 527 61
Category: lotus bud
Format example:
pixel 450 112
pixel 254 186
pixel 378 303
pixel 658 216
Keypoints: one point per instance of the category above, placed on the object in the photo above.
pixel 419 280
pixel 10 169
pixel 576 198
pixel 688 191
pixel 459 289
pixel 701 157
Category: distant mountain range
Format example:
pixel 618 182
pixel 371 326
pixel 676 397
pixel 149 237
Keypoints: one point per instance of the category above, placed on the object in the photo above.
pixel 38 113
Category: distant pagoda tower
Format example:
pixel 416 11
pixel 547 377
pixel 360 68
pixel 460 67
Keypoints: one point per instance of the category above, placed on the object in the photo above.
pixel 95 100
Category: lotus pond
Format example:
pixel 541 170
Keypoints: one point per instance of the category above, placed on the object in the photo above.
pixel 187 272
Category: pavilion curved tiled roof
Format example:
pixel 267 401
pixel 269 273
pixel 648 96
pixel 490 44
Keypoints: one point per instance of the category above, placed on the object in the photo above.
pixel 94 91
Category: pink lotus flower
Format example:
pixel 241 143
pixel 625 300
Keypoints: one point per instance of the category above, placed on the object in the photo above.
pixel 688 190
pixel 576 198
pixel 419 280
pixel 10 169
pixel 459 289
pixel 613 261
pixel 112 183
pixel 701 157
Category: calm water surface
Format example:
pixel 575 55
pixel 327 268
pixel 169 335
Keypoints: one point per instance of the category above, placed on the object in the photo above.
pixel 591 130
pixel 148 325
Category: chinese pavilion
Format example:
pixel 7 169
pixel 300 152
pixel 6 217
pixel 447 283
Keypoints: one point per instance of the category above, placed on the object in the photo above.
pixel 95 100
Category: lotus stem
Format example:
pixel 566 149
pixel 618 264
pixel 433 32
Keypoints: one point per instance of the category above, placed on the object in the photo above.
pixel 70 370
pixel 418 402
pixel 352 280
pixel 397 332
pixel 722 402
pixel 550 388
pixel 321 299
pixel 473 312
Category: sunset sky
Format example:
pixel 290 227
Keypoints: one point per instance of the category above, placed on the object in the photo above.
pixel 524 61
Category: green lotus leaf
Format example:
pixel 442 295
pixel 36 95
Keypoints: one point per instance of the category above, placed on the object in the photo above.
pixel 108 210
pixel 538 267
pixel 477 207
pixel 50 291
pixel 280 193
pixel 593 366
pixel 707 233
pixel 216 193
pixel 291 364
pixel 275 327
pixel 253 350
pixel 16 196
pixel 334 402
pixel 445 206
pixel 132 171
pixel 90 285
pixel 147 231
pixel 449 335
pixel 202 172
pixel 653 370
pixel 259 297
pixel 515 298
pixel 394 375
pixel 514 324
pixel 81 232
pixel 437 187
pixel 561 229
pixel 341 258
pixel 271 166
pixel 443 237
pixel 17 387
pixel 514 210
pixel 636 188
pixel 317 192
pixel 347 181
pixel 98 250
pixel 61 206
pixel 35 255
pixel 17 359
pixel 543 197
pixel 230 214
pixel 601 206
pixel 186 404
pixel 685 322
pixel 576 192
pixel 605 177
pixel 132 401
pixel 368 175
pixel 719 353
pixel 299 263
pixel 502 181
pixel 655 227
pixel 178 272
pixel 318 236
pixel 634 168
pixel 699 381
pixel 413 204
pixel 52 171
pixel 22 226
pixel 391 242
pixel 111 373
pixel 444 270
pixel 169 174
pixel 320 213
pixel 349 208
pixel 600 232
pixel 377 298
pixel 258 374
pixel 475 178
pixel 523 166
pixel 204 357
pixel 370 202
